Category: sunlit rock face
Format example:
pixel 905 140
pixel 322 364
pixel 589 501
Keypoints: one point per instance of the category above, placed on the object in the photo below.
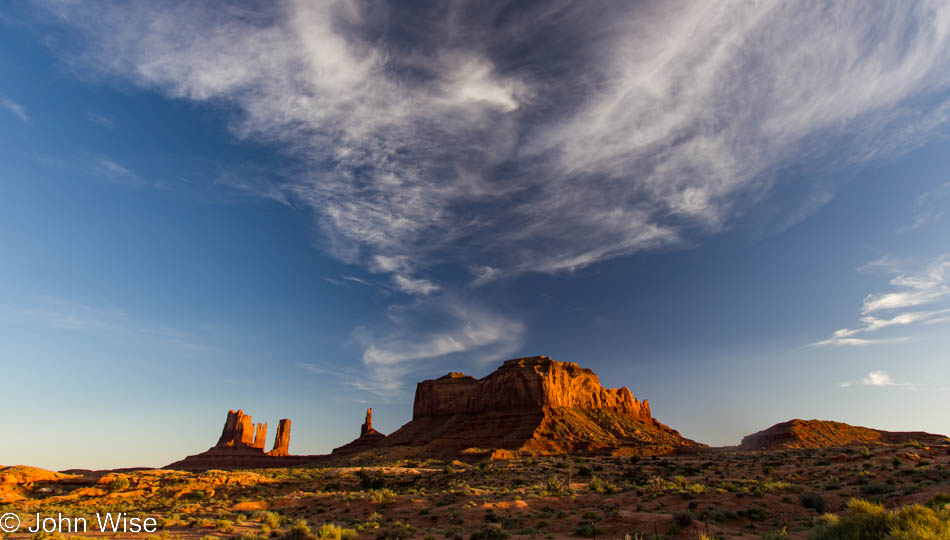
pixel 533 405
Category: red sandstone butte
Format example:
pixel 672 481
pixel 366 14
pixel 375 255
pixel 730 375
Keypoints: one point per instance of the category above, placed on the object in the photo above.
pixel 532 406
pixel 241 446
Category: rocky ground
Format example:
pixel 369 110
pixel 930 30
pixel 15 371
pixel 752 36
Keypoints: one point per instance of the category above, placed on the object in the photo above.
pixel 717 493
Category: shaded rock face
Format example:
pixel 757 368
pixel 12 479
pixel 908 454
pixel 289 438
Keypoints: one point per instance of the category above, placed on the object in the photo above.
pixel 826 434
pixel 369 437
pixel 533 405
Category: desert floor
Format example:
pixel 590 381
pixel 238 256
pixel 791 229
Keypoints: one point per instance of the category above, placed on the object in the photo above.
pixel 721 494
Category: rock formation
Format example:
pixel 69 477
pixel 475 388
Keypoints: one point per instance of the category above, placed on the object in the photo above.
pixel 532 406
pixel 282 440
pixel 368 423
pixel 260 436
pixel 241 445
pixel 368 438
pixel 825 434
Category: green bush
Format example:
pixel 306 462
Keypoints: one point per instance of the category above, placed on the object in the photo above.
pixel 491 532
pixel 863 520
pixel 588 530
pixel 813 501
pixel 939 501
pixel 329 531
pixel 299 531
pixel 384 496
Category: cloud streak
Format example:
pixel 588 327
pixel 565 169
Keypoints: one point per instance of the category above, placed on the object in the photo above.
pixel 535 136
pixel 927 286
pixel 16 109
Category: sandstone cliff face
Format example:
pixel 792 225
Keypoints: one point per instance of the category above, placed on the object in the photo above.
pixel 524 384
pixel 533 406
pixel 826 434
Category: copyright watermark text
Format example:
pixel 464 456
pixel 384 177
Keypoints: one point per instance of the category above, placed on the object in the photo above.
pixel 105 523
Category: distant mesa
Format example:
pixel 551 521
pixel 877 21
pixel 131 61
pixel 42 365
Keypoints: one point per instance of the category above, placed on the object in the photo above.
pixel 241 445
pixel 529 406
pixel 798 433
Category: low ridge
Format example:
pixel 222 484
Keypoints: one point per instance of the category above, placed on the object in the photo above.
pixel 798 433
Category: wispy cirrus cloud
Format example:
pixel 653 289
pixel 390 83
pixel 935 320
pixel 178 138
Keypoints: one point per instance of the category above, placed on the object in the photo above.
pixel 104 319
pixel 911 289
pixel 928 208
pixel 15 109
pixel 101 120
pixel 536 136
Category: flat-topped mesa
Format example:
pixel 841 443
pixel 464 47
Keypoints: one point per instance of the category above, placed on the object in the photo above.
pixel 524 384
pixel 282 440
pixel 532 406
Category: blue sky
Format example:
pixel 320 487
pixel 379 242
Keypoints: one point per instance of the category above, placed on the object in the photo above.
pixel 301 209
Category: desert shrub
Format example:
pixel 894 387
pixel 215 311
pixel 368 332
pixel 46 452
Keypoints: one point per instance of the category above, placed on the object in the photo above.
pixel 556 486
pixel 913 444
pixel 717 515
pixel 876 488
pixel 224 525
pixel 813 501
pixel 369 482
pixel 299 531
pixel 754 513
pixel 682 518
pixel 776 535
pixel 384 496
pixel 269 519
pixel 588 530
pixel 595 485
pixel 863 520
pixel 120 484
pixel 398 531
pixel 242 536
pixel 492 532
pixel 939 501
pixel 329 531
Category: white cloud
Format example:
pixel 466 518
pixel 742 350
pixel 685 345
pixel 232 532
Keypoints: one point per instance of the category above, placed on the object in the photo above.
pixel 16 109
pixel 627 127
pixel 877 379
pixel 540 139
pixel 415 286
pixel 463 327
pixel 924 286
